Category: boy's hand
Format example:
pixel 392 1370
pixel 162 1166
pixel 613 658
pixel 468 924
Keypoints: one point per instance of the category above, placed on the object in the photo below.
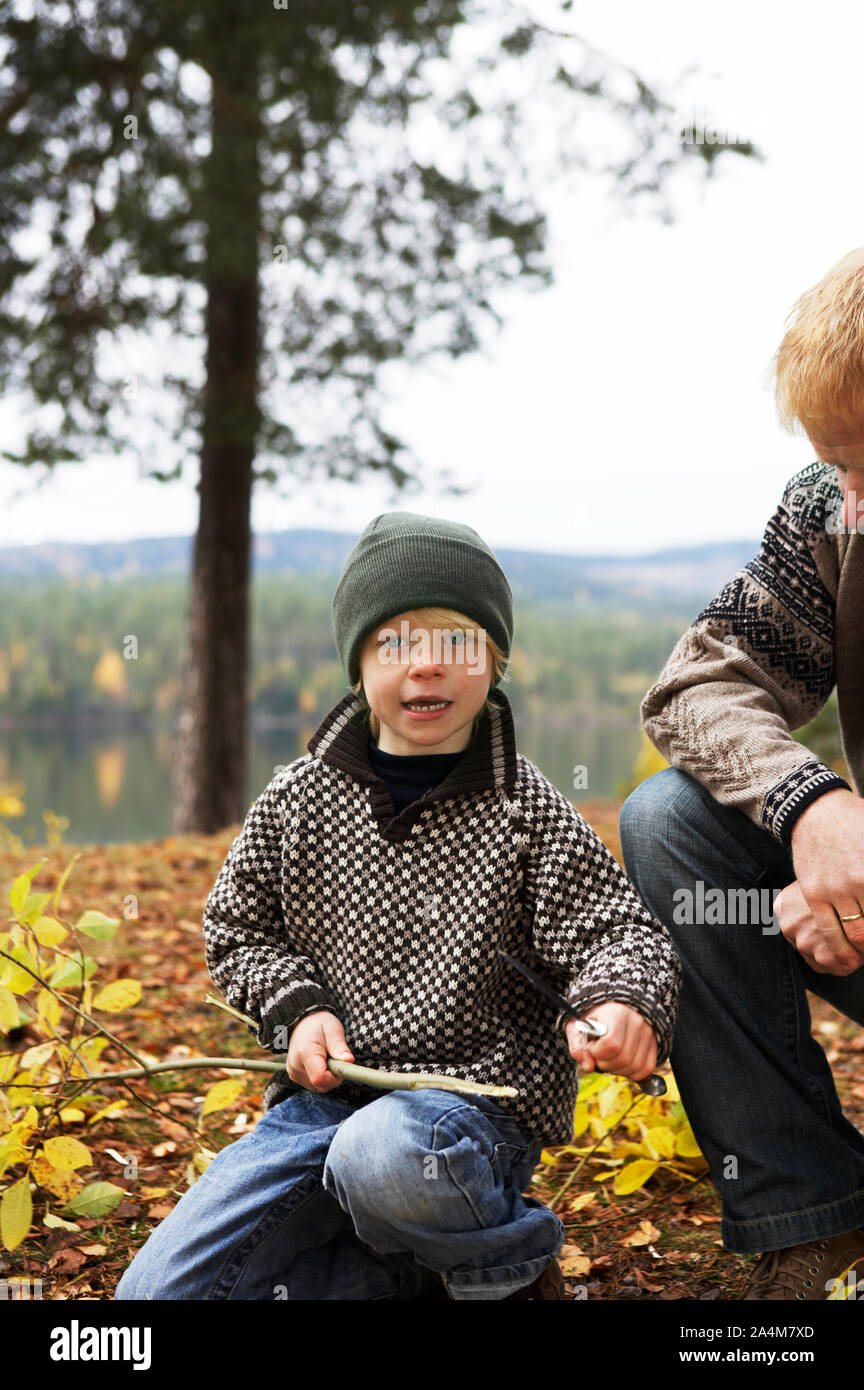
pixel 315 1038
pixel 628 1049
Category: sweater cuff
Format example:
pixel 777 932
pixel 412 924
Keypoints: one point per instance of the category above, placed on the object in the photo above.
pixel 614 992
pixel 787 800
pixel 283 1009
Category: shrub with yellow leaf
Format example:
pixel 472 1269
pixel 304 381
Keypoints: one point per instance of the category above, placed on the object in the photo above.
pixel 629 1136
pixel 45 987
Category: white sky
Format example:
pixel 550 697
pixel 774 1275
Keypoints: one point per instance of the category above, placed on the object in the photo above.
pixel 626 407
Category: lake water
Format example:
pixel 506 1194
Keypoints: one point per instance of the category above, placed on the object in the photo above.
pixel 116 787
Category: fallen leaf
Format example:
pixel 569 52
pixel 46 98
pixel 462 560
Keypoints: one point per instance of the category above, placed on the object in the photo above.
pixel 93 1249
pixel 162 1150
pixel 573 1261
pixel 125 1209
pixel 601 1262
pixel 643 1236
pixel 646 1283
pixel 581 1201
pixel 160 1210
pixel 67 1260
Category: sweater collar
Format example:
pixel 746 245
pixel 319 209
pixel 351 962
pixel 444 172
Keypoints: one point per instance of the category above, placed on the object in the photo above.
pixel 489 763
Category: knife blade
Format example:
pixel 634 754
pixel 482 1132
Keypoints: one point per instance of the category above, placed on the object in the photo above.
pixel 652 1085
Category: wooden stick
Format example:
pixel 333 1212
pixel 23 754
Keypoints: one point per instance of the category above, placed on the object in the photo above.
pixel 387 1080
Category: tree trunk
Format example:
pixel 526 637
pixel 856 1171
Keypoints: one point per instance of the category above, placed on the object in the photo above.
pixel 210 757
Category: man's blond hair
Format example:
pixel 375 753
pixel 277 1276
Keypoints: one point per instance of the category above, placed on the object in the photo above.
pixel 819 365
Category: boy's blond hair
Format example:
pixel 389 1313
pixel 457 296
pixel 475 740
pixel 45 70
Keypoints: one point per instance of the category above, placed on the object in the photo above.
pixel 819 365
pixel 448 618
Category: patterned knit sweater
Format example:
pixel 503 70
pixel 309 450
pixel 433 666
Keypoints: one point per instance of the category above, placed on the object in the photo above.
pixel 394 922
pixel 762 659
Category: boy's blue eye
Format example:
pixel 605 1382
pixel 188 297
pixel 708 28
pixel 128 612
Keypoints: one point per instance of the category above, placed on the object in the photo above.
pixel 390 641
pixel 457 639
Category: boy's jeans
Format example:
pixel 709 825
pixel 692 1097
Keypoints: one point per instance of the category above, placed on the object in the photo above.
pixel 756 1086
pixel 329 1199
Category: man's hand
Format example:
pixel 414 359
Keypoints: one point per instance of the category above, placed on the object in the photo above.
pixel 628 1049
pixel 315 1038
pixel 828 856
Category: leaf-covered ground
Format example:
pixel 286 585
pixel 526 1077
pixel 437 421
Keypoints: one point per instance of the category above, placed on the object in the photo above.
pixel 661 1242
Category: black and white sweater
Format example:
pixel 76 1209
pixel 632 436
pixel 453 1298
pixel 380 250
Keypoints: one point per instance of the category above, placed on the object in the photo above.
pixel 328 900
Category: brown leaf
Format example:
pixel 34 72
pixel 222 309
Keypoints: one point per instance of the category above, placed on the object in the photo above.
pixel 646 1283
pixel 601 1262
pixel 67 1260
pixel 125 1209
pixel 93 1249
pixel 161 1209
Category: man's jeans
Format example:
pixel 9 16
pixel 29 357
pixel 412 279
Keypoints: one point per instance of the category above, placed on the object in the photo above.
pixel 756 1086
pixel 329 1199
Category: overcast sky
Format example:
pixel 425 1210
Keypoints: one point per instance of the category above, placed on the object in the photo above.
pixel 626 408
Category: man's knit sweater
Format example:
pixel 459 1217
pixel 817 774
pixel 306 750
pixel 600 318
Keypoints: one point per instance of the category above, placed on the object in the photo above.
pixel 394 922
pixel 762 659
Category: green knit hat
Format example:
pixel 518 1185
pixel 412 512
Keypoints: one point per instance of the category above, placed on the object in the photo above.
pixel 404 561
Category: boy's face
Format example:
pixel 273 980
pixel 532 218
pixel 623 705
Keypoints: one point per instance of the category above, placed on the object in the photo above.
pixel 844 449
pixel 426 685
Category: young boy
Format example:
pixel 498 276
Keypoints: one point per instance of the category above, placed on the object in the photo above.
pixel 360 915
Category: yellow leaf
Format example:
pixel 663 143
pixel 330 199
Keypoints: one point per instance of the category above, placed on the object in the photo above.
pixel 222 1094
pixel 49 932
pixel 91 1050
pixel 20 1091
pixel 580 1119
pixel 27 1124
pixel 122 994
pixel 16 979
pixel 612 1097
pixel 57 1223
pixel 550 1159
pixel 16 1213
pixel 581 1201
pixel 8 1063
pixel 62 1183
pixel 686 1145
pixel 8 1010
pixel 71 1115
pixel 660 1142
pixel 48 1008
pixel 66 1152
pixel 11 1151
pixel 113 1109
pixel 37 1056
pixel 634 1175
pixel 63 877
pixel 672 1092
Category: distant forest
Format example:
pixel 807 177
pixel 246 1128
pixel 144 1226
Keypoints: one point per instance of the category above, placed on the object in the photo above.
pixel 62 661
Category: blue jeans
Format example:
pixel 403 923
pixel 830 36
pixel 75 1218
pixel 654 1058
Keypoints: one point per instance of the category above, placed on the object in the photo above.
pixel 334 1199
pixel 756 1086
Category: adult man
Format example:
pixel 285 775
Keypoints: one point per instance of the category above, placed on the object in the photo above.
pixel 743 805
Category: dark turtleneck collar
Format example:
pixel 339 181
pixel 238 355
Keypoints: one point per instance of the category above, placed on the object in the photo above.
pixel 489 762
